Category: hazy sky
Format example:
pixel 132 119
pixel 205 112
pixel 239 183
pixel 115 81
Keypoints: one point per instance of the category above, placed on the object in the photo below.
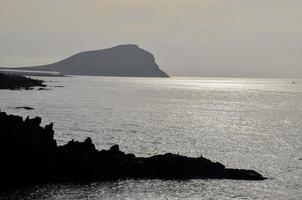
pixel 250 38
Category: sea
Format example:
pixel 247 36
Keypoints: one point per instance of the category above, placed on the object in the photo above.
pixel 242 123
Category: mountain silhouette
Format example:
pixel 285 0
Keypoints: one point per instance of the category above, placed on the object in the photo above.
pixel 123 60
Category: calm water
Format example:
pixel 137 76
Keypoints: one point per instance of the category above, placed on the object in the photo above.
pixel 243 123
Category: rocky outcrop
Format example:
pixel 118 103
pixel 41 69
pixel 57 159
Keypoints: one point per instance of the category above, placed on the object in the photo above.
pixel 14 82
pixel 123 60
pixel 29 153
pixel 24 107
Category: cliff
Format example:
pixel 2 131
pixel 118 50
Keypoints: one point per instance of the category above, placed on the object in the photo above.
pixel 122 60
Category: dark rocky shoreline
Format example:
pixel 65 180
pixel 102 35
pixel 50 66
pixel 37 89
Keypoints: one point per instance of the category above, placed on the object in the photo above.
pixel 16 82
pixel 29 154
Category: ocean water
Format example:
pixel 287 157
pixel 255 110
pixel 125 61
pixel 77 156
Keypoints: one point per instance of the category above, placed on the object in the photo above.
pixel 242 123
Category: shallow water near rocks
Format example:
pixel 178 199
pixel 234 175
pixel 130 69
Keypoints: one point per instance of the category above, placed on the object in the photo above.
pixel 242 123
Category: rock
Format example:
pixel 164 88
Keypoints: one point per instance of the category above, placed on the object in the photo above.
pixel 15 82
pixel 41 88
pixel 25 107
pixel 115 148
pixel 241 174
pixel 29 154
pixel 27 150
pixel 130 156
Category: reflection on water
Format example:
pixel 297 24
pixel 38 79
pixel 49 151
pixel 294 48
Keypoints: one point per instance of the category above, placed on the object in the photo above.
pixel 134 189
pixel 244 123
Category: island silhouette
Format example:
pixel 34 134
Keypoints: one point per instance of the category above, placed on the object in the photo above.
pixel 122 60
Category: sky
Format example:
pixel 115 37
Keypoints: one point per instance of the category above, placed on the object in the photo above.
pixel 220 38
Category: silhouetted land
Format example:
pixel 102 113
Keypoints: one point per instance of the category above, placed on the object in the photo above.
pixel 14 82
pixel 29 154
pixel 122 60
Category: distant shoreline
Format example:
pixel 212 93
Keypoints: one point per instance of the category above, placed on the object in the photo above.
pixel 17 82
pixel 30 72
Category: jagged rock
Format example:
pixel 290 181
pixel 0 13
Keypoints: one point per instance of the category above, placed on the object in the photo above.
pixel 29 153
pixel 115 148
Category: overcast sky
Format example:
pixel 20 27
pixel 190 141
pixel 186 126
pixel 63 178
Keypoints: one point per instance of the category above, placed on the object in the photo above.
pixel 247 38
